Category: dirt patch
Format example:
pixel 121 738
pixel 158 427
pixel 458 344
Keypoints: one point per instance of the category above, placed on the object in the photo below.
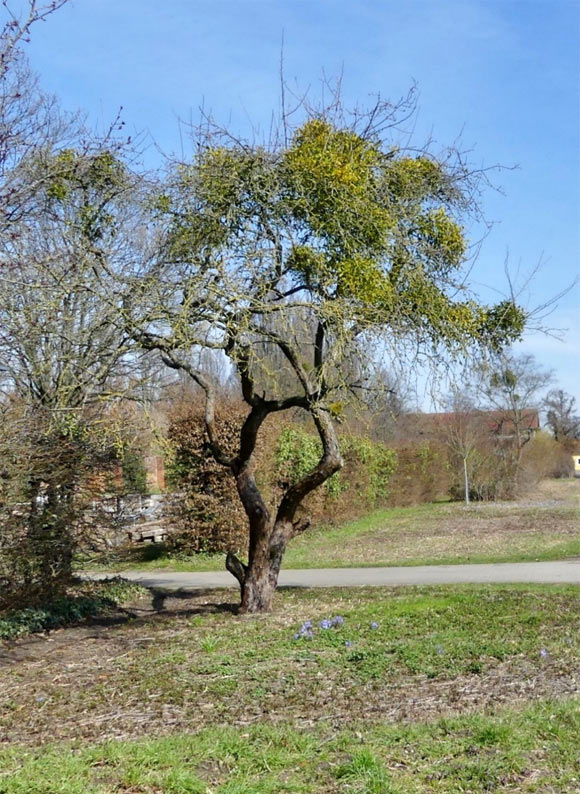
pixel 554 492
pixel 96 682
pixel 482 531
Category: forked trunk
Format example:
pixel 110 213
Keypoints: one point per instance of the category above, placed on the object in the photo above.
pixel 259 579
pixel 270 536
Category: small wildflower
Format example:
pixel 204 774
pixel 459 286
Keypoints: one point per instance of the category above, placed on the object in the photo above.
pixel 338 620
pixel 305 632
pixel 374 625
pixel 325 624
pixel 348 643
pixel 544 653
pixel 40 699
pixel 440 650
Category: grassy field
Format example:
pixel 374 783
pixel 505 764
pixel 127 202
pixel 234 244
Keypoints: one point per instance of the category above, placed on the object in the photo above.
pixel 531 750
pixel 456 689
pixel 543 527
pixel 448 689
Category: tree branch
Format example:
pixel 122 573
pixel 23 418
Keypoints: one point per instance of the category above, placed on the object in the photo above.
pixel 243 367
pixel 319 346
pixel 169 359
pixel 236 567
pixel 330 462
pixel 300 526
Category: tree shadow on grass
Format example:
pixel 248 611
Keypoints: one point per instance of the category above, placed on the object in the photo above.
pixel 164 606
pixel 161 596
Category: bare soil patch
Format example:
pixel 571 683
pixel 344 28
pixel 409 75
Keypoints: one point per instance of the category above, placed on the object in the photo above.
pixel 154 672
pixel 472 533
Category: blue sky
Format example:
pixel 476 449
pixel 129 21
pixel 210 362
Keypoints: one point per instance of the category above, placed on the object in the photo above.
pixel 502 73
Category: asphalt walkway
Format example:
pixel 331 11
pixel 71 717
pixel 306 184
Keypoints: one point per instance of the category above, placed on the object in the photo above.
pixel 561 572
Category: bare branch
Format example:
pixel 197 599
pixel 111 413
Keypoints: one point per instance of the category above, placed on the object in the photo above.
pixel 170 359
pixel 236 567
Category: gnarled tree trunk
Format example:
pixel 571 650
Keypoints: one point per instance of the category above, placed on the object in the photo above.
pixel 269 536
pixel 259 579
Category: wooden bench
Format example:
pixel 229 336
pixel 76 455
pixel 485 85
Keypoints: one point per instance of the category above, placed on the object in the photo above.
pixel 150 531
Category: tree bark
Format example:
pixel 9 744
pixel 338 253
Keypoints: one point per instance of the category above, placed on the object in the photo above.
pixel 259 579
pixel 269 537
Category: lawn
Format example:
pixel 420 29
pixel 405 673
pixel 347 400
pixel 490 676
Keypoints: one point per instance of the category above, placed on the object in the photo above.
pixel 543 527
pixel 450 689
pixel 346 691
pixel 529 750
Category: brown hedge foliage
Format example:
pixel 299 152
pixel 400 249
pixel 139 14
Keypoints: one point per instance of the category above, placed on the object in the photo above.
pixel 422 474
pixel 543 457
pixel 204 509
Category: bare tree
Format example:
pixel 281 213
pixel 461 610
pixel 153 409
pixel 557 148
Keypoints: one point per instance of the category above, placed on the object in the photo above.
pixel 562 421
pixel 61 351
pixel 511 388
pixel 17 27
pixel 59 345
pixel 29 119
pixel 465 430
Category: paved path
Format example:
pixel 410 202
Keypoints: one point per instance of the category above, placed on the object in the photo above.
pixel 548 572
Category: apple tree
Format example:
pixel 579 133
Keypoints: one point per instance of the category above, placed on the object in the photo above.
pixel 318 246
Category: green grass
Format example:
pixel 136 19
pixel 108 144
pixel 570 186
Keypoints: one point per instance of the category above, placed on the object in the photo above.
pixel 432 632
pixel 204 666
pixel 85 599
pixel 300 556
pixel 533 749
pixel 429 534
pixel 356 709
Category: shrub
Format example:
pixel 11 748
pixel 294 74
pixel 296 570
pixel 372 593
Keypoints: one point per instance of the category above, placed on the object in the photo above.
pixel 543 457
pixel 298 451
pixel 205 511
pixel 52 468
pixel 86 600
pixel 422 474
pixel 363 483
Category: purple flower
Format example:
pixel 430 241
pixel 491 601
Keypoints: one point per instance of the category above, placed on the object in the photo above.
pixel 305 632
pixel 325 624
pixel 348 643
pixel 374 625
pixel 544 653
pixel 338 620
